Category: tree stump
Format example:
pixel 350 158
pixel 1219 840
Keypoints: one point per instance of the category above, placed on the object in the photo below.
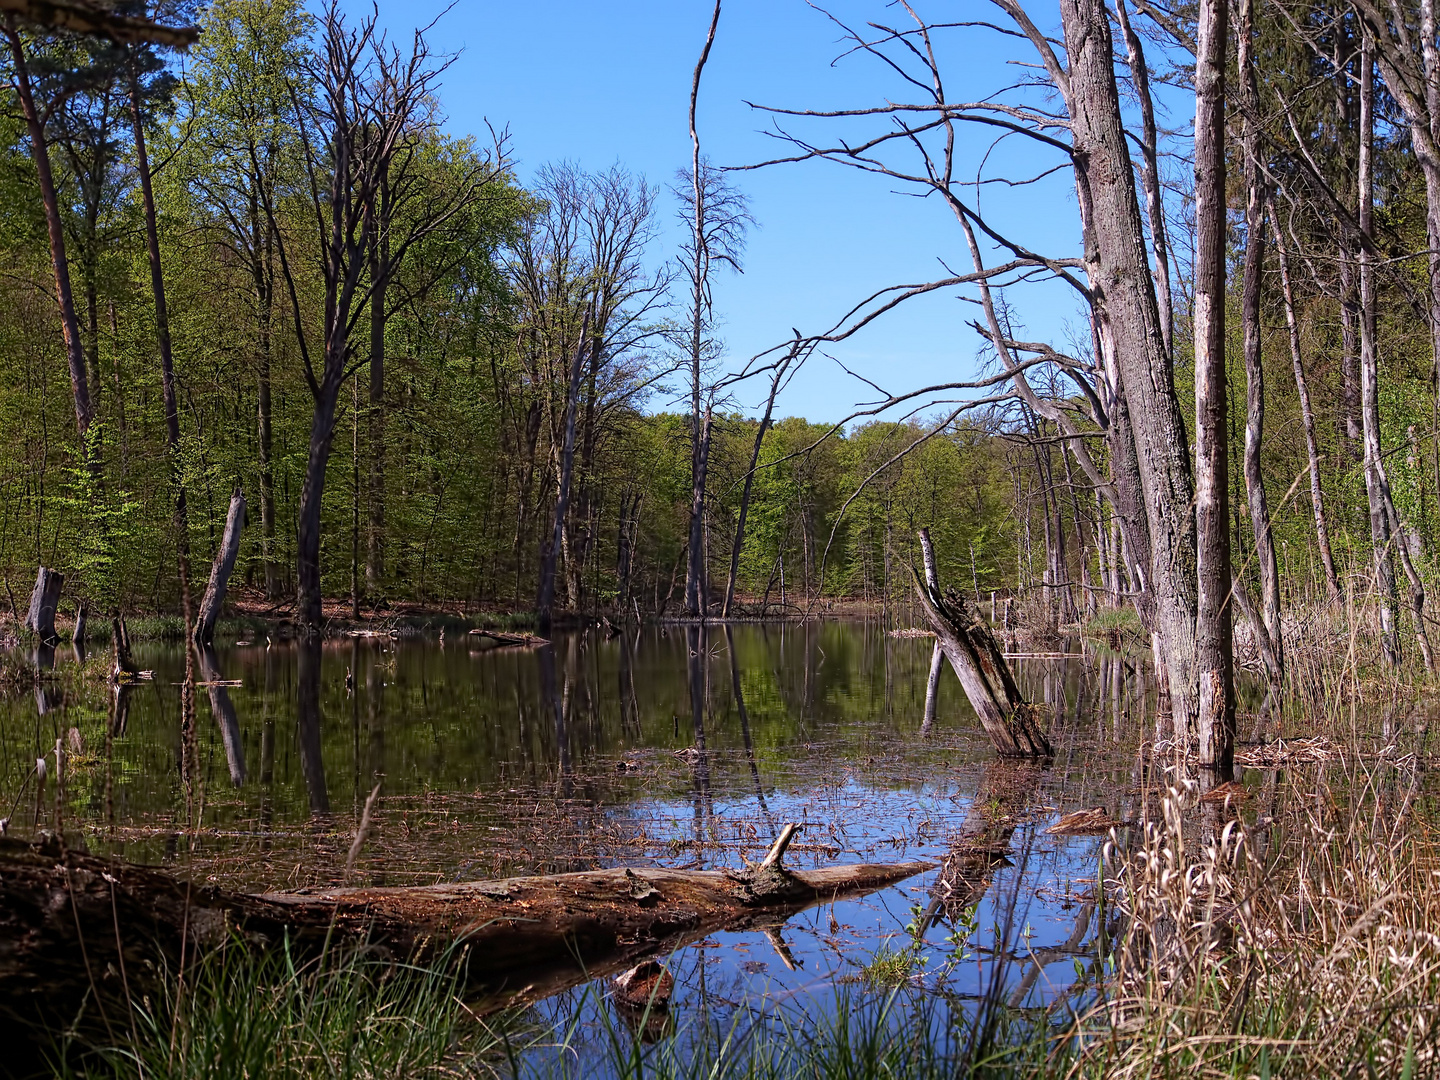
pixel 225 556
pixel 968 643
pixel 44 600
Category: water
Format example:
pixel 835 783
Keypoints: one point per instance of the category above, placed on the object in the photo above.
pixel 665 746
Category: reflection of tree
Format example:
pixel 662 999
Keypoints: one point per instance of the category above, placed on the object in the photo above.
pixel 307 671
pixel 223 709
pixel 745 727
pixel 697 641
pixel 550 693
pixel 1007 788
pixel 932 687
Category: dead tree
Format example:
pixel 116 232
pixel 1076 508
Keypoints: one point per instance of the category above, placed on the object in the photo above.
pixel 225 555
pixel 978 661
pixel 44 600
pixel 369 100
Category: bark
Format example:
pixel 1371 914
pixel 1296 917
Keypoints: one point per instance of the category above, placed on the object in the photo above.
pixel 1214 719
pixel 1380 538
pixel 312 496
pixel 44 600
pixel 1307 414
pixel 696 587
pixel 379 276
pixel 977 660
pixel 49 199
pixel 124 667
pixel 1122 283
pixel 1250 299
pixel 1150 175
pixel 537 930
pixel 551 554
pixel 214 599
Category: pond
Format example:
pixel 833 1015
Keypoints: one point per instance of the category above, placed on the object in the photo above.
pixel 668 745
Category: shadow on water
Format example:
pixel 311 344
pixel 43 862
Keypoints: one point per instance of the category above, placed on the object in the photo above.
pixel 682 747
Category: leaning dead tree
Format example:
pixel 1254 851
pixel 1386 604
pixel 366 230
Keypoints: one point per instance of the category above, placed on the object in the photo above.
pixel 66 915
pixel 225 556
pixel 977 660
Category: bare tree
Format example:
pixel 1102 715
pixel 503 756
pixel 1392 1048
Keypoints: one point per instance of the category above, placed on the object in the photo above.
pixel 371 103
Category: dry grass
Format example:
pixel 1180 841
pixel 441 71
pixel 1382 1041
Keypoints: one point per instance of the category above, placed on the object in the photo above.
pixel 1302 944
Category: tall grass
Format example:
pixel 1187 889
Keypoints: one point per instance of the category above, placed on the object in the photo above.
pixel 346 1016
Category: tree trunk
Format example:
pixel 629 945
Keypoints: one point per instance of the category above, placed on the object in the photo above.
pixel 308 609
pixel 1307 414
pixel 40 152
pixel 1131 332
pixel 545 932
pixel 1011 722
pixel 696 588
pixel 549 557
pixel 225 555
pixel 44 600
pixel 1254 370
pixel 745 492
pixel 1215 713
pixel 375 535
pixel 1383 555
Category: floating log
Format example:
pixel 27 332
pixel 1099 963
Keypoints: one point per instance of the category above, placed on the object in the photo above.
pixel 225 555
pixel 44 600
pixel 525 936
pixel 1011 722
pixel 510 641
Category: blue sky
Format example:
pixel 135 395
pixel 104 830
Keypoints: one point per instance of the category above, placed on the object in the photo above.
pixel 598 83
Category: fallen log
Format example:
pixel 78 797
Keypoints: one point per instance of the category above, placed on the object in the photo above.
pixel 74 925
pixel 978 661
pixel 502 640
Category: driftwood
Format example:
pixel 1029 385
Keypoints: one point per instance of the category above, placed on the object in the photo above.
pixel 510 641
pixel 73 925
pixel 44 600
pixel 225 556
pixel 978 661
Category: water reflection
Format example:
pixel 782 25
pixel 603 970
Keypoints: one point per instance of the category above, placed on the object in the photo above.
pixel 682 746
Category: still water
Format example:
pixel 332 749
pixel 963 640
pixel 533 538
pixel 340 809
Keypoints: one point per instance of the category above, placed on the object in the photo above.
pixel 671 746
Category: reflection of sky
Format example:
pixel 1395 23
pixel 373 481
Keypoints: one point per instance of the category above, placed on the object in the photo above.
pixel 1030 928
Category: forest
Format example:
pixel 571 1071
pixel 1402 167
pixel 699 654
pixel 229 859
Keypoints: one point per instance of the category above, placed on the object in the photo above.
pixel 282 349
